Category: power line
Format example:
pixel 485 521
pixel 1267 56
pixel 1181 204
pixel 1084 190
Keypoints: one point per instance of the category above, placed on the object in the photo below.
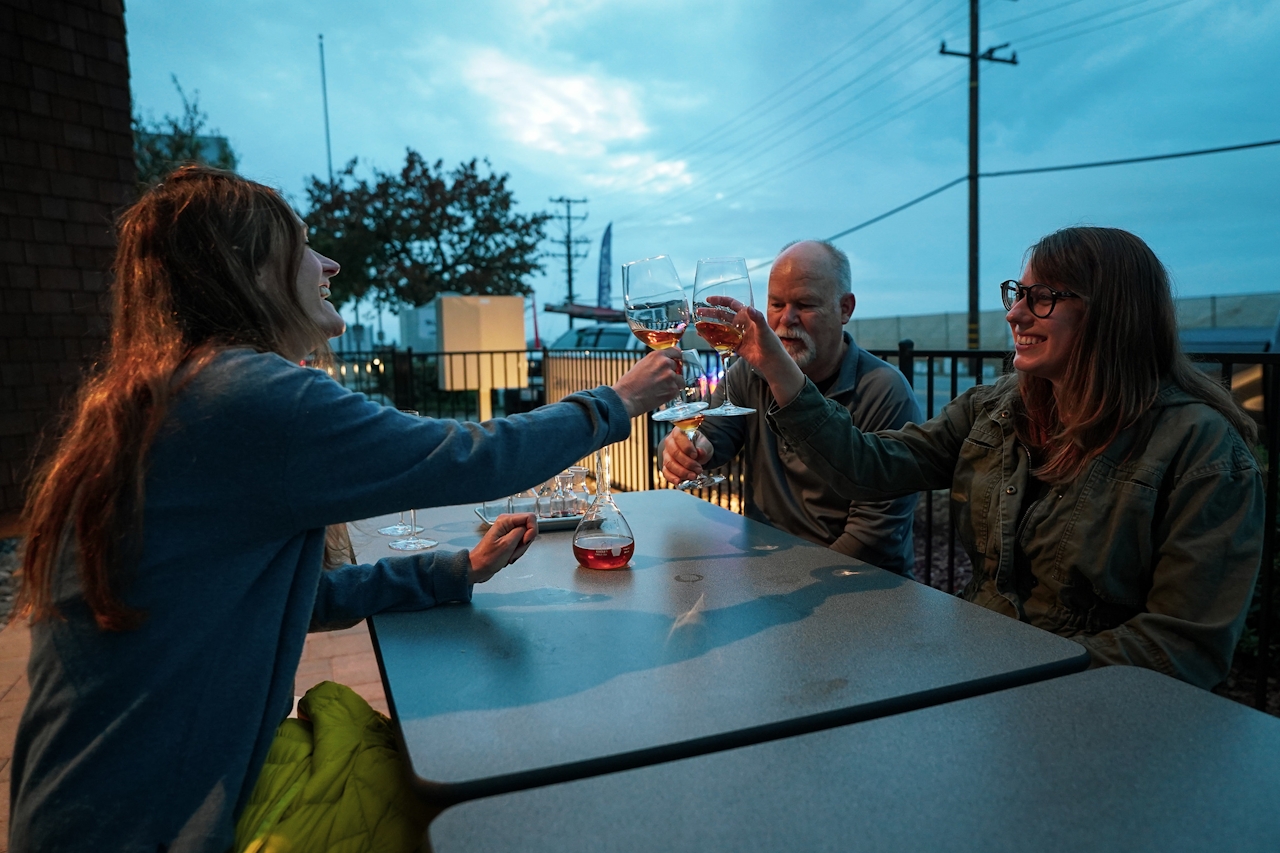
pixel 324 91
pixel 873 220
pixel 1103 26
pixel 842 137
pixel 1009 172
pixel 1126 160
pixel 1034 14
pixel 746 114
pixel 777 140
pixel 1085 19
pixel 785 125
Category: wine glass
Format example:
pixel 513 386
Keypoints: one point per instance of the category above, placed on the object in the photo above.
pixel 697 392
pixel 412 542
pixel 656 308
pixel 692 400
pixel 400 528
pixel 725 277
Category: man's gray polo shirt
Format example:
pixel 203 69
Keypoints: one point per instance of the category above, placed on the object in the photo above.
pixel 783 492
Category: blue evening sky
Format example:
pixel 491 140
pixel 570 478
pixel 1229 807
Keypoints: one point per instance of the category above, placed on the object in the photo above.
pixel 706 128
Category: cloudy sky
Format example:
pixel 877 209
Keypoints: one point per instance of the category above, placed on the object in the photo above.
pixel 710 127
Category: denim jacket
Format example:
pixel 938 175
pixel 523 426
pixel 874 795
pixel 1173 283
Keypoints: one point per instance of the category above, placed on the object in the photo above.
pixel 1148 558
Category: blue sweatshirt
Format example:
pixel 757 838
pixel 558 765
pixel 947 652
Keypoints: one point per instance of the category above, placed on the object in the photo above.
pixel 151 739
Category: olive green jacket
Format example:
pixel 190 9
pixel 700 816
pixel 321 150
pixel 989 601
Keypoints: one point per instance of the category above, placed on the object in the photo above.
pixel 1148 558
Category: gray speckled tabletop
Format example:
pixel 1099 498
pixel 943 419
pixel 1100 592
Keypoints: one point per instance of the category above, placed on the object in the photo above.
pixel 1115 759
pixel 724 632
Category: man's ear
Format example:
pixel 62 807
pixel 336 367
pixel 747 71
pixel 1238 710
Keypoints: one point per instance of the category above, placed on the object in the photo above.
pixel 847 303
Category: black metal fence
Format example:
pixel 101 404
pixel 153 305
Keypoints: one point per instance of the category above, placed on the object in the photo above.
pixel 475 385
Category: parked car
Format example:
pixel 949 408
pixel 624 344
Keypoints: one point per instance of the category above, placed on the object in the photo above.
pixel 609 336
pixel 616 336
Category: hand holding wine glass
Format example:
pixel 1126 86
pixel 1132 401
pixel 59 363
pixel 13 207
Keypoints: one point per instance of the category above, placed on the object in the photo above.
pixel 697 390
pixel 719 284
pixel 683 457
pixel 650 382
pixel 761 348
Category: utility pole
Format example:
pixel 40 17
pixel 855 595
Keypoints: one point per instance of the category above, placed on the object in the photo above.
pixel 571 244
pixel 973 56
pixel 324 93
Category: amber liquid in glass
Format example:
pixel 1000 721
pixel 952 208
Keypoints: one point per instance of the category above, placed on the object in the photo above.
pixel 690 425
pixel 723 337
pixel 659 338
pixel 604 551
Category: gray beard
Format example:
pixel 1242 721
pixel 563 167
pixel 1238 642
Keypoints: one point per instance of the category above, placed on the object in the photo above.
pixel 799 346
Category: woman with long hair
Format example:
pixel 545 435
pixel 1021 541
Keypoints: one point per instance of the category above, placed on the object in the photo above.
pixel 1106 491
pixel 176 535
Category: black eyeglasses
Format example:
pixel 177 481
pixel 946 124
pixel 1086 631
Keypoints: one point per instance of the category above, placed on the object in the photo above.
pixel 1041 299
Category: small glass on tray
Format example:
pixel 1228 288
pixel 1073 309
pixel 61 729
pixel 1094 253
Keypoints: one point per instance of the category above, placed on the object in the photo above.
pixel 553 502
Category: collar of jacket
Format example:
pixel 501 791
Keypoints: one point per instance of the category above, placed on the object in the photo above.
pixel 998 406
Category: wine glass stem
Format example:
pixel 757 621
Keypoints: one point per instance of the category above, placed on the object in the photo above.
pixel 413 523
pixel 724 376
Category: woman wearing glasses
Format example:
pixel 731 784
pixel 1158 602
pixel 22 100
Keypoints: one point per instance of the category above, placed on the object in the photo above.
pixel 1106 491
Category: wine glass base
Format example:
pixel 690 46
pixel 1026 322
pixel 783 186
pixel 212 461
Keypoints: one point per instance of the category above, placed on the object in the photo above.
pixel 728 410
pixel 413 544
pixel 399 530
pixel 704 481
pixel 679 412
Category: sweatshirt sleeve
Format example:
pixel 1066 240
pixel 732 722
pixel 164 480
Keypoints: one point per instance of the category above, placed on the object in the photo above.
pixel 322 454
pixel 351 593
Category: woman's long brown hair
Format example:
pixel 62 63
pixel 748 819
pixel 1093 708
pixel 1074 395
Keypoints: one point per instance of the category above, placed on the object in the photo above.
pixel 204 261
pixel 1127 347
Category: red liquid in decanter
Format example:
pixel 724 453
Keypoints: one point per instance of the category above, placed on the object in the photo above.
pixel 603 551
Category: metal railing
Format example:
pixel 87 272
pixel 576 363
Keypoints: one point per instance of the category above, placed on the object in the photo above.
pixel 473 385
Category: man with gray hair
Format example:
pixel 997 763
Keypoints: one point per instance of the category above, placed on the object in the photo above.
pixel 810 300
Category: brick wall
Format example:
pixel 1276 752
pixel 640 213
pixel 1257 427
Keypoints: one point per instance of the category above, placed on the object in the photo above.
pixel 66 168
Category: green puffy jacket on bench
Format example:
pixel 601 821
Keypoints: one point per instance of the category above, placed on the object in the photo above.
pixel 334 781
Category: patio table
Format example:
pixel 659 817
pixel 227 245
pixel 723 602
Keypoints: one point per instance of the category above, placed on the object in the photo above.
pixel 723 632
pixel 1116 759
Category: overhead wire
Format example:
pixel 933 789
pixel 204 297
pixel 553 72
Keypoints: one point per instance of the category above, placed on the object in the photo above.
pixel 828 145
pixel 1035 45
pixel 781 126
pixel 786 120
pixel 1004 173
pixel 746 114
pixel 801 130
pixel 835 141
pixel 744 119
pixel 1027 40
pixel 1035 14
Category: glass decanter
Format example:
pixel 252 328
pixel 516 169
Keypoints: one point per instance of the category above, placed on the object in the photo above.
pixel 603 539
